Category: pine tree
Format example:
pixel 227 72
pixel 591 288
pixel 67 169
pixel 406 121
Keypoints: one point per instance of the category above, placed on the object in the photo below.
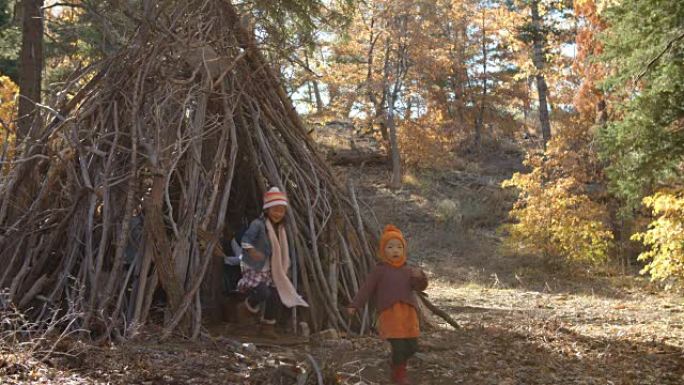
pixel 645 144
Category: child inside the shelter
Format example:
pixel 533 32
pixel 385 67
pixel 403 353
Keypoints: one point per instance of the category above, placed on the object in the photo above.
pixel 265 264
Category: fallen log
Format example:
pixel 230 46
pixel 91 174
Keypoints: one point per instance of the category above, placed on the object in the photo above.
pixel 356 158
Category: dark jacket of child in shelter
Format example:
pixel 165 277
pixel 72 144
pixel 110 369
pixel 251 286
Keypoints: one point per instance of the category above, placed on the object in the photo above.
pixel 265 264
pixel 391 285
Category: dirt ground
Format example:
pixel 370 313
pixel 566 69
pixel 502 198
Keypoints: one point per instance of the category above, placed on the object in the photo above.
pixel 523 320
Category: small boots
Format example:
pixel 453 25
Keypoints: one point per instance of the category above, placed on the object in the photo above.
pixel 399 375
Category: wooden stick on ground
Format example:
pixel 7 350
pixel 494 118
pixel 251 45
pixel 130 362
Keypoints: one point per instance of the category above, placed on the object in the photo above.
pixel 437 311
pixel 319 376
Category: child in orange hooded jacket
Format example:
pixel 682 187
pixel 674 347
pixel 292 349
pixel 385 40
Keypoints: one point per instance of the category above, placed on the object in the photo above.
pixel 391 284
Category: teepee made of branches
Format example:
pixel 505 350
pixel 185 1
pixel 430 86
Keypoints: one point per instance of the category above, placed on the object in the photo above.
pixel 185 127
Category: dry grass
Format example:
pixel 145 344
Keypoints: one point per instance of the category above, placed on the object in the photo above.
pixel 38 353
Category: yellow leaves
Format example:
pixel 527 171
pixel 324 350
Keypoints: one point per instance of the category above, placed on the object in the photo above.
pixel 665 235
pixel 8 93
pixel 553 215
pixel 555 221
pixel 665 202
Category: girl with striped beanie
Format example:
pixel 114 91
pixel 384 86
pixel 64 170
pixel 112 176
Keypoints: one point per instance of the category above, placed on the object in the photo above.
pixel 265 263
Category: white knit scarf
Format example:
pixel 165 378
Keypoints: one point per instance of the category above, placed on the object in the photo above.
pixel 280 263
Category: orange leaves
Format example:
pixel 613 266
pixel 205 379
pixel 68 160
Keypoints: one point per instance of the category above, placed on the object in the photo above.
pixel 427 143
pixel 590 70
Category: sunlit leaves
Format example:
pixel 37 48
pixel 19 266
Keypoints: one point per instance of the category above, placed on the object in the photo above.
pixel 665 236
pixel 8 95
pixel 555 214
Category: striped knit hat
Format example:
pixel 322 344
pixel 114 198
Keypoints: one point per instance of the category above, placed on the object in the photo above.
pixel 274 197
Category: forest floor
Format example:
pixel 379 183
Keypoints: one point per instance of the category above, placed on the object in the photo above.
pixel 523 320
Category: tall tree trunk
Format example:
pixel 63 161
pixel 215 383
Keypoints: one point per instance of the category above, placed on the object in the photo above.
pixel 372 39
pixel 379 113
pixel 409 108
pixel 310 93
pixel 317 94
pixel 400 67
pixel 392 94
pixel 395 182
pixel 479 122
pixel 538 60
pixel 527 100
pixel 313 86
pixel 460 73
pixel 30 65
pixel 601 112
pixel 380 105
pixel 389 126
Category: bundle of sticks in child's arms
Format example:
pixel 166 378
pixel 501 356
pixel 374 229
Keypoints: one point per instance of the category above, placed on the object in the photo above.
pixel 437 311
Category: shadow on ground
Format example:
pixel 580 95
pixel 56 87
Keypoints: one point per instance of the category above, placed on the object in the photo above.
pixel 501 356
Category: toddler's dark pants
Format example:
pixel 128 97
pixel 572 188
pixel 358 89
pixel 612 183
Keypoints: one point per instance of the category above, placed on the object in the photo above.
pixel 403 349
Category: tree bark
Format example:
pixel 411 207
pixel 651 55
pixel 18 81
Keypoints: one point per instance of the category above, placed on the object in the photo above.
pixel 601 112
pixel 459 72
pixel 479 122
pixel 400 68
pixel 380 107
pixel 538 60
pixel 30 65
pixel 317 95
pixel 157 246
pixel 313 86
pixel 395 182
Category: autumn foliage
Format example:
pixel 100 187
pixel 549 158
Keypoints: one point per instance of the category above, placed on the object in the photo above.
pixel 665 235
pixel 434 80
pixel 8 93
pixel 429 143
pixel 620 160
pixel 555 213
pixel 562 208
